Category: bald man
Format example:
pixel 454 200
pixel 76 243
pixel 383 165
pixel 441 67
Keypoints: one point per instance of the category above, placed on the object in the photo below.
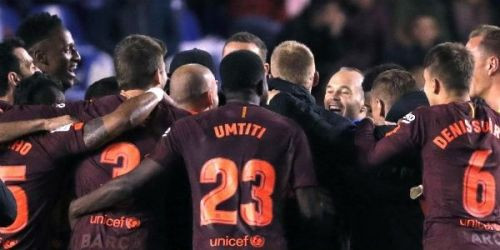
pixel 194 88
pixel 344 94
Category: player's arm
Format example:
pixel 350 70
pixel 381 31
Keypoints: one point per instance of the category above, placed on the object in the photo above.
pixel 115 191
pixel 12 130
pixel 129 114
pixel 331 132
pixel 8 209
pixel 124 187
pixel 405 137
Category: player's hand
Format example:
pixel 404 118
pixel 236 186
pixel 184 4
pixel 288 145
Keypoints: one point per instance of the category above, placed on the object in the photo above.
pixel 271 94
pixel 57 122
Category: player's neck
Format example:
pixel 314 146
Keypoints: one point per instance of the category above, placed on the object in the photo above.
pixel 8 98
pixel 243 98
pixel 491 97
pixel 131 93
pixel 454 98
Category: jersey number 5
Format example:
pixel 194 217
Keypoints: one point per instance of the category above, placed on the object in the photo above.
pixel 258 213
pixel 479 186
pixel 16 173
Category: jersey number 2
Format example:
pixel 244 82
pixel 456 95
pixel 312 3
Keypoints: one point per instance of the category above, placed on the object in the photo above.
pixel 258 213
pixel 128 152
pixel 479 186
pixel 16 173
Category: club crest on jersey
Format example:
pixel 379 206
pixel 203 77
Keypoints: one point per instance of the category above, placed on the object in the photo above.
pixel 408 118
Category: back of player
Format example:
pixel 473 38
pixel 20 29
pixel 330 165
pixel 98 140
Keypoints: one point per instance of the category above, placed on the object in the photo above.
pixel 461 152
pixel 29 170
pixel 134 225
pixel 242 161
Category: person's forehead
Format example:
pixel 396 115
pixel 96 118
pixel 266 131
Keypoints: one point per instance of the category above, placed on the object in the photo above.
pixel 61 36
pixel 235 46
pixel 22 55
pixel 345 79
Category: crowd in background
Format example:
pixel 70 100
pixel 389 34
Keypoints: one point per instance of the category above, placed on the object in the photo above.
pixel 355 33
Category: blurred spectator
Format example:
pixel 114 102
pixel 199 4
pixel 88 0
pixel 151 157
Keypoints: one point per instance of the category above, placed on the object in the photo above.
pixel 423 33
pixel 320 27
pixel 367 30
pixel 468 14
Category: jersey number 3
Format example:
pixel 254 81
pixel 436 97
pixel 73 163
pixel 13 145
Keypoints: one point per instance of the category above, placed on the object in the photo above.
pixel 479 186
pixel 258 213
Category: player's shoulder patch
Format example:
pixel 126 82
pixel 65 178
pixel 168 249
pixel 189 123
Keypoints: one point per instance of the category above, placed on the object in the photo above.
pixel 408 118
pixel 63 128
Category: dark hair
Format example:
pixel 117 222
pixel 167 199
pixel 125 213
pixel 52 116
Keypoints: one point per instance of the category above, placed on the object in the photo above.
pixel 8 61
pixel 372 73
pixel 136 58
pixel 391 84
pixel 453 64
pixel 37 89
pixel 103 87
pixel 241 70
pixel 247 37
pixel 197 56
pixel 38 27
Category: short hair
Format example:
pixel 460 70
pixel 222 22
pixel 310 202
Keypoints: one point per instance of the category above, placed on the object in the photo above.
pixel 38 27
pixel 373 72
pixel 37 89
pixel 136 58
pixel 241 70
pixel 103 87
pixel 293 61
pixel 197 56
pixel 189 83
pixel 453 64
pixel 391 84
pixel 482 30
pixel 247 37
pixel 8 61
pixel 491 42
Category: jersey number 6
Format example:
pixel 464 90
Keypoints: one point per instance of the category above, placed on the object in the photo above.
pixel 258 213
pixel 479 186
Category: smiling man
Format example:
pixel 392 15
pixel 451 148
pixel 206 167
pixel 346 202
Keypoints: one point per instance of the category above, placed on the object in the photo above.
pixel 52 47
pixel 344 94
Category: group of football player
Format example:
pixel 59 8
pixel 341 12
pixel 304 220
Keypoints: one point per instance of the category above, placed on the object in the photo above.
pixel 157 159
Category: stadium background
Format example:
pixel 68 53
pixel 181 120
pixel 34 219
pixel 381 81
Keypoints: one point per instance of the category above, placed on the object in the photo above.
pixel 354 33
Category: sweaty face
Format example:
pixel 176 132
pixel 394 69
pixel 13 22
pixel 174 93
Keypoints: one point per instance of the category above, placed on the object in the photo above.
pixel 26 65
pixel 480 80
pixel 343 97
pixel 62 57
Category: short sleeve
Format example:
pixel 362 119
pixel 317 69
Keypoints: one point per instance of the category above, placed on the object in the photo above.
pixel 64 141
pixel 303 174
pixel 167 151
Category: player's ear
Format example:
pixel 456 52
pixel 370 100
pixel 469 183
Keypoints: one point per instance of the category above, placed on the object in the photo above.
pixel 381 107
pixel 13 78
pixel 436 86
pixel 266 68
pixel 493 65
pixel 157 78
pixel 315 79
pixel 40 57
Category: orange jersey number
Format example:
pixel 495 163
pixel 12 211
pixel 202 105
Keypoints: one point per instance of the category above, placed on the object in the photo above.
pixel 257 213
pixel 16 173
pixel 479 186
pixel 128 152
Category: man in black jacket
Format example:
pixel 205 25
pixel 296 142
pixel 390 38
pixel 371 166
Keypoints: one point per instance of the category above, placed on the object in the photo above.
pixel 293 75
